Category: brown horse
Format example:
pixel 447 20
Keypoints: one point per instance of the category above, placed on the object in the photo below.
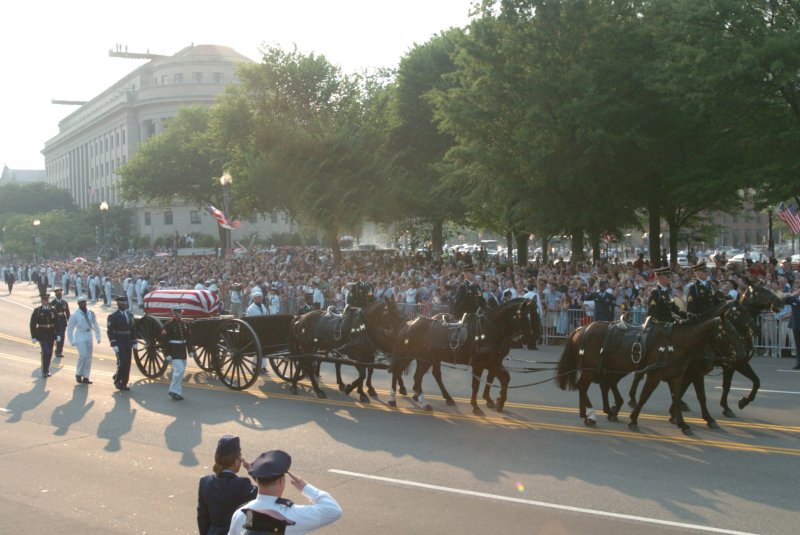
pixel 666 357
pixel 484 348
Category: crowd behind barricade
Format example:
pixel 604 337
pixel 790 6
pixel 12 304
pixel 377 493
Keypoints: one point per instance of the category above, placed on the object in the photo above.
pixel 297 278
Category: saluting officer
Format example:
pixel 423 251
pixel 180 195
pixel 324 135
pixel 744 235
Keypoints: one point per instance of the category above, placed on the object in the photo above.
pixel 271 513
pixel 603 302
pixel 62 318
pixel 43 331
pixel 177 339
pixel 122 337
pixel 468 295
pixel 362 293
pixel 701 295
pixel 660 305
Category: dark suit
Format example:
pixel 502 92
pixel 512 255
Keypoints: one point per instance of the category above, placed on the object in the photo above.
pixel 701 297
pixel 361 294
pixel 62 318
pixel 661 307
pixel 43 329
pixel 10 280
pixel 219 497
pixel 603 305
pixel 468 299
pixel 120 331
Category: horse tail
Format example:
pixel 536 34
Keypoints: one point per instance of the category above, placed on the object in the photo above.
pixel 567 371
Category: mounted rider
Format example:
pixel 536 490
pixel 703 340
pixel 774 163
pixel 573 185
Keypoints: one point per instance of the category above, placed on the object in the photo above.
pixel 661 306
pixel 468 307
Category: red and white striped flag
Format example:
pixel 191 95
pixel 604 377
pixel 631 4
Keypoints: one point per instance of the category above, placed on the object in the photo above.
pixel 222 219
pixel 789 216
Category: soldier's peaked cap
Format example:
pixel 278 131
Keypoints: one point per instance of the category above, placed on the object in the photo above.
pixel 271 464
pixel 662 271
pixel 228 445
pixel 468 267
pixel 121 299
pixel 44 295
pixel 700 266
pixel 362 269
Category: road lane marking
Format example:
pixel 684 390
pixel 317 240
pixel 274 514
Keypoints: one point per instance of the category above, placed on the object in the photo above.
pixel 762 390
pixel 546 505
pixel 789 371
pixel 15 303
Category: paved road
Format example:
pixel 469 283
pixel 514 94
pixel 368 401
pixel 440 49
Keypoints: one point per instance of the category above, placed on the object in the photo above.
pixel 93 460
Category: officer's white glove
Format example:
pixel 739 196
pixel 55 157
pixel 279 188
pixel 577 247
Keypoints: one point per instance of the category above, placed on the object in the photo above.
pixel 135 345
pixel 115 348
pixel 193 354
pixel 168 359
pixel 58 338
pixel 34 340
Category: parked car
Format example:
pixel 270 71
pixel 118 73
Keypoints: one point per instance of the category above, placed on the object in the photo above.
pixel 796 261
pixel 742 258
pixel 681 259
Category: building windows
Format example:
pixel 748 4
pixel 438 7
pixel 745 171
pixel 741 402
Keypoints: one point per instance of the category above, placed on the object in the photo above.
pixel 168 217
pixel 123 137
pixel 197 77
pixel 218 77
pixel 194 217
pixel 106 144
pixel 147 219
pixel 273 217
pixel 116 139
pixel 178 77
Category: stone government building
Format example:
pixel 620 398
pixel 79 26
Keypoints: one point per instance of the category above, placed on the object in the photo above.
pixel 106 131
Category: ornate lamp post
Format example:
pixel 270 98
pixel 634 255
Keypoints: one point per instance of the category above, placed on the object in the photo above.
pixel 103 210
pixel 36 224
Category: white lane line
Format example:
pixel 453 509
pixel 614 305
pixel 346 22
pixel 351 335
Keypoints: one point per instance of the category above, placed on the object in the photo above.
pixel 789 371
pixel 762 390
pixel 620 516
pixel 15 303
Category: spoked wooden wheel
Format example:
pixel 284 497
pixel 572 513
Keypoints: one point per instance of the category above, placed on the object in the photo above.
pixel 286 367
pixel 149 355
pixel 204 357
pixel 238 354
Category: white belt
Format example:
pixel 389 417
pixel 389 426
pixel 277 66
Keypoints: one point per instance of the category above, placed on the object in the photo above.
pixel 176 341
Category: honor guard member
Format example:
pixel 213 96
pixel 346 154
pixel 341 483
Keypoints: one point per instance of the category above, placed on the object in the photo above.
pixel 603 302
pixel 271 513
pixel 468 295
pixel 43 331
pixel 362 293
pixel 122 338
pixel 701 295
pixel 10 279
pixel 222 492
pixel 794 301
pixel 80 327
pixel 660 305
pixel 308 304
pixel 42 284
pixel 177 340
pixel 62 317
pixel 257 307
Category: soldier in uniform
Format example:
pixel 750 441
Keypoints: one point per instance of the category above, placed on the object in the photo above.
pixel 122 337
pixel 62 318
pixel 660 305
pixel 701 295
pixel 307 305
pixel 222 492
pixel 468 295
pixel 271 513
pixel 43 331
pixel 603 302
pixel 85 322
pixel 177 341
pixel 10 279
pixel 362 293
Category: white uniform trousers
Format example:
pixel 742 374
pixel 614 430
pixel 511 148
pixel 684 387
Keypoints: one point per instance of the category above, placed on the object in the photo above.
pixel 178 368
pixel 83 343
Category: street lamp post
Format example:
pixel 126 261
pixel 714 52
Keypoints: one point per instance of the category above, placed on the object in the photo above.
pixel 225 181
pixel 36 224
pixel 103 210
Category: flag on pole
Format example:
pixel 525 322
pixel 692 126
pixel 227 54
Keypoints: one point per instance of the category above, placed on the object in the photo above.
pixel 789 216
pixel 222 219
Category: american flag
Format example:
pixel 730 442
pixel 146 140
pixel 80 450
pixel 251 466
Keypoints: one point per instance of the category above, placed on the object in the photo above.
pixel 222 219
pixel 789 216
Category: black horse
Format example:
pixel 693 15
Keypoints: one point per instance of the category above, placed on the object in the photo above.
pixel 742 313
pixel 592 352
pixel 482 346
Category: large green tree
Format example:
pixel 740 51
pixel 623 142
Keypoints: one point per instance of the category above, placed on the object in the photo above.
pixel 34 198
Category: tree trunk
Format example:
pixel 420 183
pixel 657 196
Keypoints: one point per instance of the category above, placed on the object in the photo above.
pixel 522 248
pixel 510 246
pixel 437 236
pixel 577 248
pixel 654 230
pixel 770 237
pixel 673 246
pixel 333 236
pixel 594 239
pixel 545 250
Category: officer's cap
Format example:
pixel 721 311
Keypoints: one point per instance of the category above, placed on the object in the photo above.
pixel 58 290
pixel 82 299
pixel 270 465
pixel 122 299
pixel 362 269
pixel 662 271
pixel 45 295
pixel 603 282
pixel 468 267
pixel 256 292
pixel 228 445
pixel 700 267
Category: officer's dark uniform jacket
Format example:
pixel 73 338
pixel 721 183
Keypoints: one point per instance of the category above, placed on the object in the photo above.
pixel 120 329
pixel 468 299
pixel 361 294
pixel 603 305
pixel 661 306
pixel 62 312
pixel 177 339
pixel 219 497
pixel 701 297
pixel 43 323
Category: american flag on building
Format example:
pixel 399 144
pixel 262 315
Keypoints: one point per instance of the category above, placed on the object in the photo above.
pixel 789 216
pixel 222 219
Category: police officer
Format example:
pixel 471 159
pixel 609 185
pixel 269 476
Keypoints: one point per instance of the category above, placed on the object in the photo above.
pixel 468 295
pixel 122 338
pixel 84 322
pixel 362 293
pixel 177 341
pixel 603 299
pixel 43 331
pixel 62 317
pixel 660 305
pixel 222 492
pixel 701 295
pixel 270 513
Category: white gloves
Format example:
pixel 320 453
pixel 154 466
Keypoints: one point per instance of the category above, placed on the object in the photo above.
pixel 58 338
pixel 34 340
pixel 135 345
pixel 115 348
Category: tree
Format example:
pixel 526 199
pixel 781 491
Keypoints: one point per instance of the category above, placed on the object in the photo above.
pixel 35 198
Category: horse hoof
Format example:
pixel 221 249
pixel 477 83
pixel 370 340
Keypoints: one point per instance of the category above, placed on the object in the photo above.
pixel 392 404
pixel 632 404
pixel 687 431
pixel 348 389
pixel 633 427
pixel 415 397
pixel 712 424
pixel 450 402
pixel 589 422
pixel 477 411
pixel 403 391
pixel 342 387
pixel 321 394
pixel 490 403
pixel 672 421
pixel 744 402
pixel 372 393
pixel 500 407
pixel 684 407
pixel 364 398
pixel 428 408
pixel 293 389
pixel 729 413
pixel 613 418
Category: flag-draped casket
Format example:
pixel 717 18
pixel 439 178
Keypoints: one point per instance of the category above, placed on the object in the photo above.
pixel 195 303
